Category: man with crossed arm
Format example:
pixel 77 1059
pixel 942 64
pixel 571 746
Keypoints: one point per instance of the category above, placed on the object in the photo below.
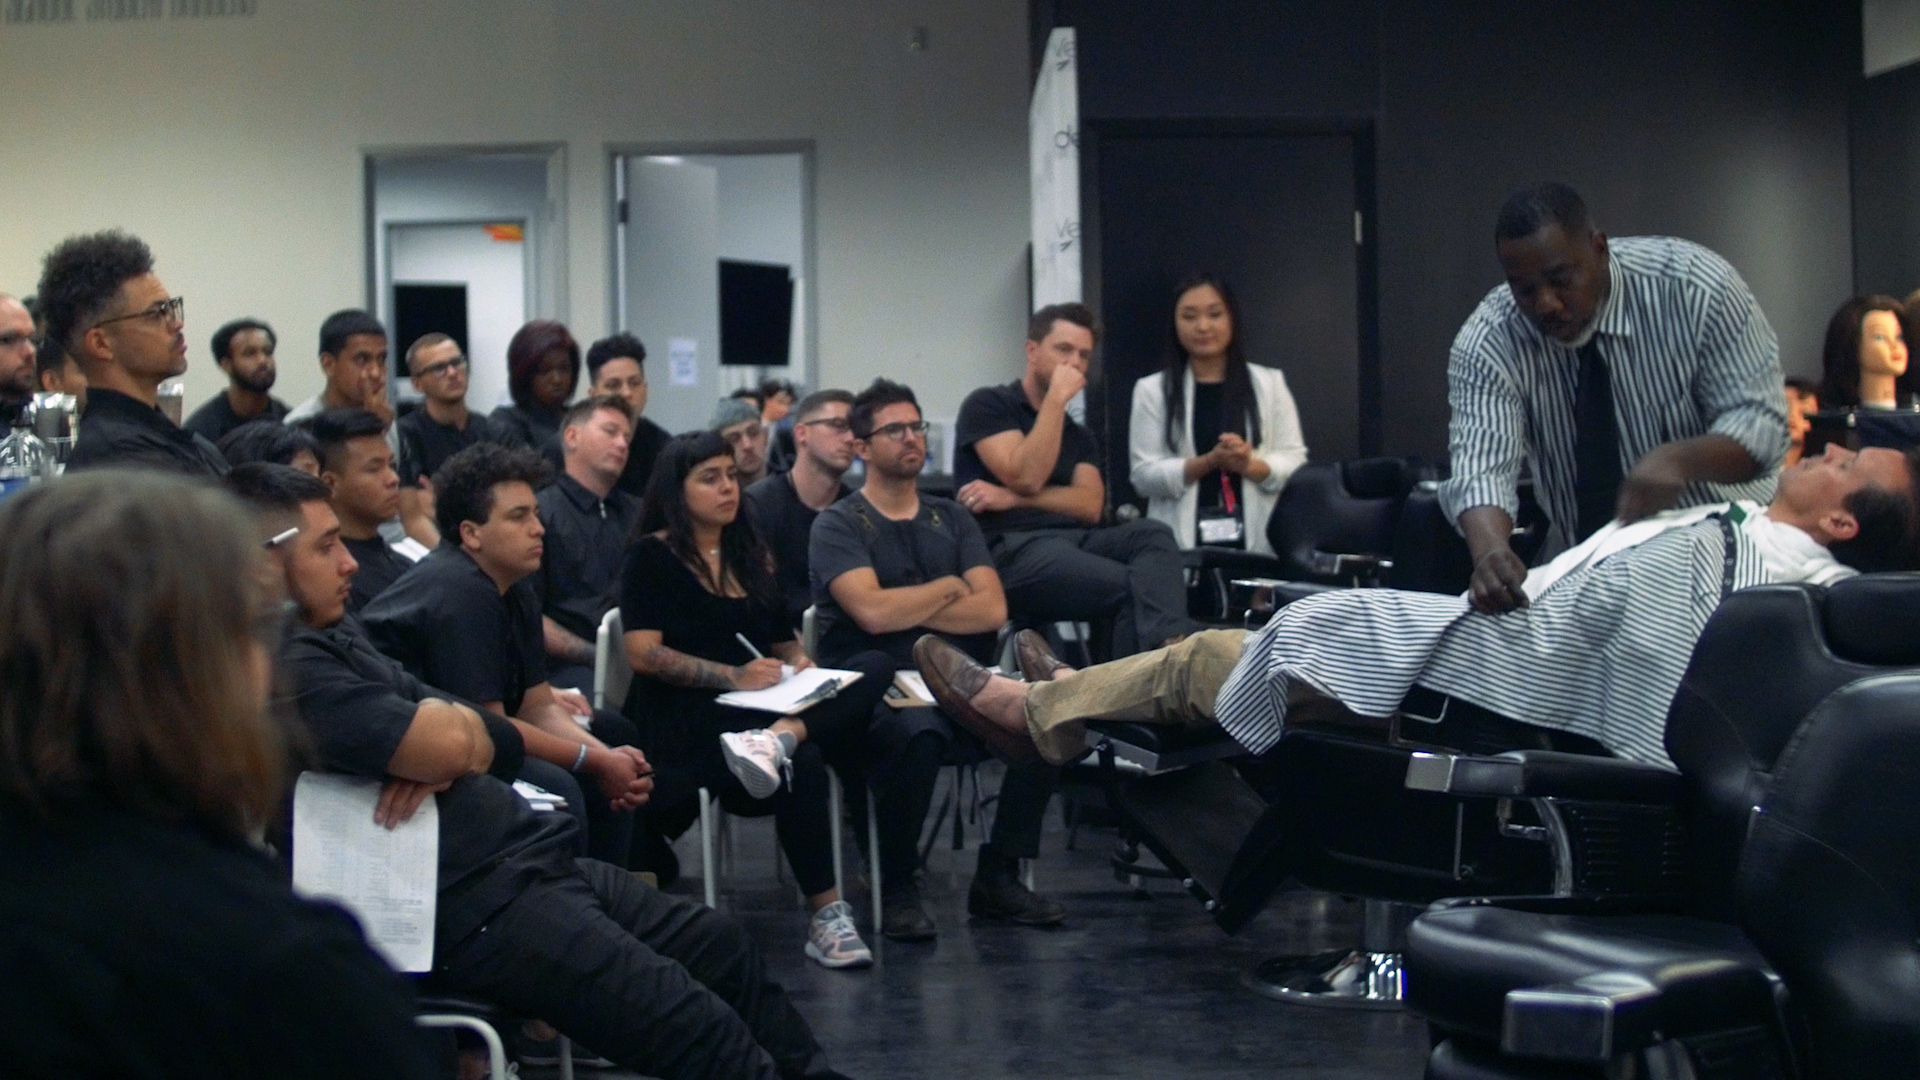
pixel 1031 474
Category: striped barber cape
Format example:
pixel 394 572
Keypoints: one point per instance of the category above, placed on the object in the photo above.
pixel 1599 652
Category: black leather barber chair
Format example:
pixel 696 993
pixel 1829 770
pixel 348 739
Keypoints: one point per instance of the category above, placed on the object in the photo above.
pixel 1768 657
pixel 1405 824
pixel 1817 974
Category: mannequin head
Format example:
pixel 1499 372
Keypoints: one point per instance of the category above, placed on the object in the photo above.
pixel 1865 359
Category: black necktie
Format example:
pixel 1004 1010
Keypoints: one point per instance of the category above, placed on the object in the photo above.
pixel 1596 443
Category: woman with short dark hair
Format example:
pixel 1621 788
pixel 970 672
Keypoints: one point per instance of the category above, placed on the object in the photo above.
pixel 141 934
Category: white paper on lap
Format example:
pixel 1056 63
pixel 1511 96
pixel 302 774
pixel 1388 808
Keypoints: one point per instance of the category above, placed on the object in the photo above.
pixel 387 877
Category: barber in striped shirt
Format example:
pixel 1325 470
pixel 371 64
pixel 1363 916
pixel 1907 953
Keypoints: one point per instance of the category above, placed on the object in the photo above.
pixel 1631 376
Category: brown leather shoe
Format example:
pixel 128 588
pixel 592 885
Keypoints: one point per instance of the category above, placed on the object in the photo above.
pixel 954 678
pixel 1037 662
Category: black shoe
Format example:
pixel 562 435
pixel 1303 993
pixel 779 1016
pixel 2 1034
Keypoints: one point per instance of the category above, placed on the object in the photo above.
pixel 906 919
pixel 998 894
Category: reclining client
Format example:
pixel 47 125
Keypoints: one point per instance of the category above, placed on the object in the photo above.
pixel 1598 649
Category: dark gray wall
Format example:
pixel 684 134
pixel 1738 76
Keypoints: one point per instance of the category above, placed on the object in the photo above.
pixel 1720 121
pixel 1886 183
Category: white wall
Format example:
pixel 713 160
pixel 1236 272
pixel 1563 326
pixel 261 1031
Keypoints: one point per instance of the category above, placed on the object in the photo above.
pixel 236 148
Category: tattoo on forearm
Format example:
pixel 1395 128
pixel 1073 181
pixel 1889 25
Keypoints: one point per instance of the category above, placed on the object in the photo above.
pixel 676 667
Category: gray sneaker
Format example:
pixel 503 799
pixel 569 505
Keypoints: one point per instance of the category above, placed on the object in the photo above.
pixel 832 940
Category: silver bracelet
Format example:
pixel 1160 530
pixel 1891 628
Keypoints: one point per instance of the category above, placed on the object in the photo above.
pixel 579 759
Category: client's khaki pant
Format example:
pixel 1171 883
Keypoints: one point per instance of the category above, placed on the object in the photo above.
pixel 1174 685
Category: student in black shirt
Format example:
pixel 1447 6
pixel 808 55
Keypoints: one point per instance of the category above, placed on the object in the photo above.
pixel 441 427
pixel 614 369
pixel 274 443
pixel 890 564
pixel 141 934
pixel 543 368
pixel 784 505
pixel 1031 474
pixel 588 520
pixel 657 983
pixel 244 350
pixel 356 464
pixel 703 616
pixel 466 619
pixel 104 306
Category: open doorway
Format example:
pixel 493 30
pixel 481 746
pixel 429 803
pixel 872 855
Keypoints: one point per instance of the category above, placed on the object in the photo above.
pixel 470 243
pixel 713 270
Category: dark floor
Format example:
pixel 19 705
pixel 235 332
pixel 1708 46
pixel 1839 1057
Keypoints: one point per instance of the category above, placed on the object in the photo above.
pixel 1133 985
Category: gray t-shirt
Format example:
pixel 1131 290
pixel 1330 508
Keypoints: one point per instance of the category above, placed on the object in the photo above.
pixel 941 540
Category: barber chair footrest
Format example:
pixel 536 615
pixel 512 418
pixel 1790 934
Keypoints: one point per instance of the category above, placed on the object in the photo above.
pixel 1343 979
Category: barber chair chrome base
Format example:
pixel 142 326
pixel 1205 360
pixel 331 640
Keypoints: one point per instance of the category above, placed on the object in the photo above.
pixel 1369 977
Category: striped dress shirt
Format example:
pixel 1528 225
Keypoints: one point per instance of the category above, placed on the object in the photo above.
pixel 1689 353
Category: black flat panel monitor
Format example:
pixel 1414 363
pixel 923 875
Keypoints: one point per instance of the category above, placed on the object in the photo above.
pixel 421 309
pixel 756 313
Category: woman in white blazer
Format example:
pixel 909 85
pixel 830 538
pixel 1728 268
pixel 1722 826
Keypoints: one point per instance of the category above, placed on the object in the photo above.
pixel 1223 494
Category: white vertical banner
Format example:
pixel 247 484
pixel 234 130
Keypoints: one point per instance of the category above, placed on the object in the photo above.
pixel 1053 129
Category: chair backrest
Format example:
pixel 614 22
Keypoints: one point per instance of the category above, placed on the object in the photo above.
pixel 611 672
pixel 810 630
pixel 1766 659
pixel 1333 508
pixel 1829 885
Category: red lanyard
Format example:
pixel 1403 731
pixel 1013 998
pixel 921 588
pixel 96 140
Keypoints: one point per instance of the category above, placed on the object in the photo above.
pixel 1226 493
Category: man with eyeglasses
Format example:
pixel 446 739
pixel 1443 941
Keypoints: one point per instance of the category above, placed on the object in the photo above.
pixel 440 428
pixel 784 505
pixel 1031 474
pixel 737 420
pixel 890 564
pixel 16 356
pixel 106 309
pixel 244 350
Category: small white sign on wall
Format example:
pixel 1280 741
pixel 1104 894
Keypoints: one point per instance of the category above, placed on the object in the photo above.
pixel 683 361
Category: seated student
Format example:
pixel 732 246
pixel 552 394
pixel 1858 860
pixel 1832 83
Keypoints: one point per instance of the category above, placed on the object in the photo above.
pixel 703 616
pixel 59 374
pixel 357 466
pixel 784 505
pixel 1213 438
pixel 353 359
pixel 543 368
pixel 587 518
pixel 737 420
pixel 465 619
pixel 776 411
pixel 105 308
pixel 1596 644
pixel 141 934
pixel 244 350
pixel 274 443
pixel 1031 475
pixel 658 983
pixel 441 427
pixel 613 369
pixel 889 564
pixel 1803 400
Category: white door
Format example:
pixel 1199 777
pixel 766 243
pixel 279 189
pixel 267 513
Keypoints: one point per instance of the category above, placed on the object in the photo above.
pixel 494 270
pixel 673 286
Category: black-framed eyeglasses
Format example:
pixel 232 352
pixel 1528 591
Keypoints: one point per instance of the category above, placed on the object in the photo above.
pixel 837 423
pixel 163 311
pixel 444 366
pixel 900 431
